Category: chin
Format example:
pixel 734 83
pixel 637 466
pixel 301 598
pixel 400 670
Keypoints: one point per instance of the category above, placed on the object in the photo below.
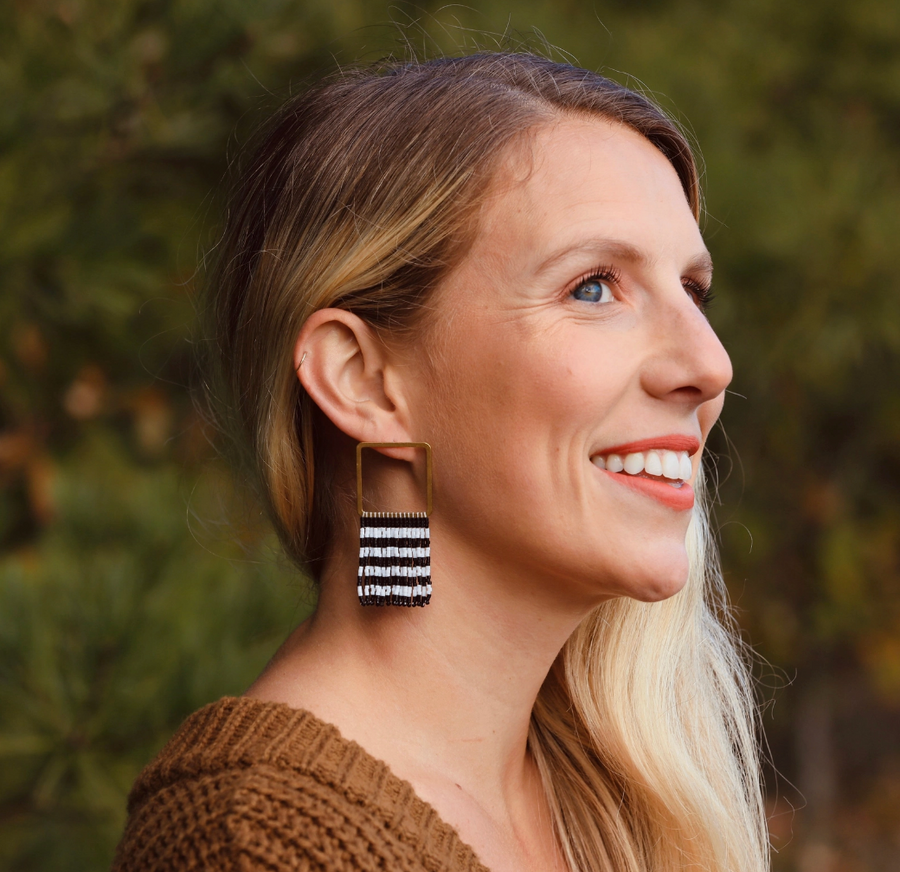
pixel 660 582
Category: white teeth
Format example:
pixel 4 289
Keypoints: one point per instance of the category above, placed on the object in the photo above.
pixel 634 463
pixel 652 464
pixel 614 463
pixel 671 465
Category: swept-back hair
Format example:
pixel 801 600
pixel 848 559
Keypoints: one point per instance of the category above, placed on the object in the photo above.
pixel 363 192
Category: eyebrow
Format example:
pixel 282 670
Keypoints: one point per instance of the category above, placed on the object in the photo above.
pixel 622 251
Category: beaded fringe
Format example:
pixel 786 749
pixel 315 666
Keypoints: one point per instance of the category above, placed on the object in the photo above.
pixel 394 559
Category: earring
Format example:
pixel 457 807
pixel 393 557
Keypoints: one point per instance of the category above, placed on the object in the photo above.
pixel 394 547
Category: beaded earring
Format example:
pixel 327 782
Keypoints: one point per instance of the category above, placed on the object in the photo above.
pixel 394 547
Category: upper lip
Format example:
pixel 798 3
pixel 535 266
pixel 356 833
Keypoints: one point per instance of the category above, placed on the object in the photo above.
pixel 674 442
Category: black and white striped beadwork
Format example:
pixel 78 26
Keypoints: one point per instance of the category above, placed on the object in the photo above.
pixel 394 559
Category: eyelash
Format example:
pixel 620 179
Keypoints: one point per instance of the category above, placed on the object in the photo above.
pixel 702 292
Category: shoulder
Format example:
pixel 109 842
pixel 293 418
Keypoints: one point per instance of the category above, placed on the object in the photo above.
pixel 248 785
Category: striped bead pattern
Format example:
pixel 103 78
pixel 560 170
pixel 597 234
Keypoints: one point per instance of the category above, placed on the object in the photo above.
pixel 394 559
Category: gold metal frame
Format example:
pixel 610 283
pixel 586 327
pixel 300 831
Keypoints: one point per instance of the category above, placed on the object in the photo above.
pixel 361 445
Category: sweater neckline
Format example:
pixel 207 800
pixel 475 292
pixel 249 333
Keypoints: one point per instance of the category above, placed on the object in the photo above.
pixel 241 732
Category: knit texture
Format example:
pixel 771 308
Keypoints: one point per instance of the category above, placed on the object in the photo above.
pixel 247 785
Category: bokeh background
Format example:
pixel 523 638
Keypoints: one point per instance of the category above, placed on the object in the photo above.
pixel 131 592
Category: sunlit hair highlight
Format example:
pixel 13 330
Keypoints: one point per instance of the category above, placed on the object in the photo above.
pixel 362 193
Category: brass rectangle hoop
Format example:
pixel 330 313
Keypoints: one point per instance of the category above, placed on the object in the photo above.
pixel 359 449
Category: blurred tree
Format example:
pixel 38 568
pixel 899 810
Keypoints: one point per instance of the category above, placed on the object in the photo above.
pixel 117 124
pixel 111 630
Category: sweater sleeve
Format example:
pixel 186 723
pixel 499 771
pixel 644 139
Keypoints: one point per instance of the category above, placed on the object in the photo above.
pixel 246 786
pixel 216 823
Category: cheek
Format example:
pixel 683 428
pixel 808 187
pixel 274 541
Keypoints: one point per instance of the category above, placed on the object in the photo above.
pixel 534 391
pixel 472 397
pixel 526 389
pixel 513 414
pixel 483 407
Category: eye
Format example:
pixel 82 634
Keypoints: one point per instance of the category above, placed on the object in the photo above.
pixel 701 292
pixel 593 290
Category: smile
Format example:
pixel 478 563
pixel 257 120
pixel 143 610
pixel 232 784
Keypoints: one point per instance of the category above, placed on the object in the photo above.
pixel 672 467
pixel 658 468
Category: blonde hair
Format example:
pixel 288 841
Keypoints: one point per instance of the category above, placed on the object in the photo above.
pixel 363 192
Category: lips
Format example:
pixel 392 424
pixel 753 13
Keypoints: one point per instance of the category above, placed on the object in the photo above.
pixel 674 442
pixel 659 467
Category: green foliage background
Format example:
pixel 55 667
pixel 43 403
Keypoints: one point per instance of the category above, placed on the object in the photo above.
pixel 127 599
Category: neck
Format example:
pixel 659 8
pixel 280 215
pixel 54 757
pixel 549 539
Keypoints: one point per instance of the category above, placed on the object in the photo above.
pixel 456 680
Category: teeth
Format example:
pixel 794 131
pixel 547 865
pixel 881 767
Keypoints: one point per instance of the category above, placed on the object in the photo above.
pixel 674 465
pixel 671 465
pixel 634 463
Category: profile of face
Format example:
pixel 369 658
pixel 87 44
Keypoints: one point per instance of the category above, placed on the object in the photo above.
pixel 570 341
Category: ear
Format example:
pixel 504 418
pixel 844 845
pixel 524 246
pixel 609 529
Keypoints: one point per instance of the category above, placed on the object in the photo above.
pixel 347 372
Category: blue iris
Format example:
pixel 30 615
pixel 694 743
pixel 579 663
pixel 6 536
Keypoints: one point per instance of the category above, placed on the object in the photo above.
pixel 592 291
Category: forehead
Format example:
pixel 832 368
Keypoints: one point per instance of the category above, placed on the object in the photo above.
pixel 578 179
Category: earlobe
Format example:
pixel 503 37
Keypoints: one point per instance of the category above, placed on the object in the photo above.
pixel 341 362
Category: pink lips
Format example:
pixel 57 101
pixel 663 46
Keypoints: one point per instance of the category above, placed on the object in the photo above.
pixel 681 499
pixel 676 442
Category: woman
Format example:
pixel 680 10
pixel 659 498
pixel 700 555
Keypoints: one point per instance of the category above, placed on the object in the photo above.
pixel 498 256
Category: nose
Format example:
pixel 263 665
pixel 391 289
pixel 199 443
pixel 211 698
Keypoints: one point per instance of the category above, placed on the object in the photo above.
pixel 687 362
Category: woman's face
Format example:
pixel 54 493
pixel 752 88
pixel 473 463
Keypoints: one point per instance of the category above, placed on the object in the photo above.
pixel 570 339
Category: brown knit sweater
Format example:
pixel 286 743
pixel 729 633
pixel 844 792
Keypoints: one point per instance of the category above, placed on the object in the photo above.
pixel 247 785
